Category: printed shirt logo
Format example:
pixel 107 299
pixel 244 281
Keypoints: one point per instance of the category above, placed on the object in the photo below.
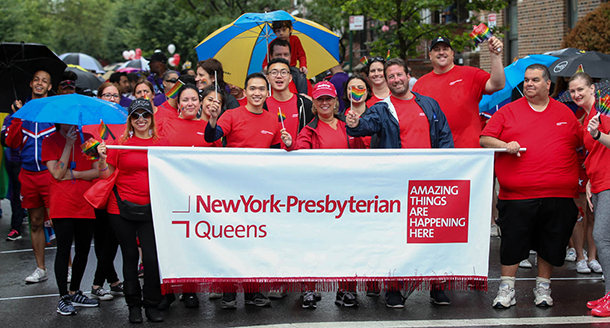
pixel 266 132
pixel 456 81
pixel 561 123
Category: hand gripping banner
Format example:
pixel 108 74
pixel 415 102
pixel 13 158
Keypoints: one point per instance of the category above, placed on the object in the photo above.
pixel 249 219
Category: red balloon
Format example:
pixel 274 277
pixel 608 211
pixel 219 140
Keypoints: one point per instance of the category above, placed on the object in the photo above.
pixel 176 59
pixel 138 53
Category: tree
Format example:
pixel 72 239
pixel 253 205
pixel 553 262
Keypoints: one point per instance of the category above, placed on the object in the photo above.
pixel 407 22
pixel 592 32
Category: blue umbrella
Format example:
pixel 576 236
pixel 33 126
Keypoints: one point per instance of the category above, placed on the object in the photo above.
pixel 73 109
pixel 514 75
pixel 242 45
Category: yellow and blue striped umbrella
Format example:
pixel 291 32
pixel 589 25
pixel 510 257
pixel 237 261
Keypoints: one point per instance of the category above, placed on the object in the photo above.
pixel 242 45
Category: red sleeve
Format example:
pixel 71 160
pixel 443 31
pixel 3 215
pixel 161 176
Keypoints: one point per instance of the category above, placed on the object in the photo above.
pixel 226 121
pixel 267 54
pixel 14 134
pixel 304 139
pixel 481 77
pixel 494 125
pixel 297 50
pixel 49 150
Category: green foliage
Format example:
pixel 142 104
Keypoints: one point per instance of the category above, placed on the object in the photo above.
pixel 592 32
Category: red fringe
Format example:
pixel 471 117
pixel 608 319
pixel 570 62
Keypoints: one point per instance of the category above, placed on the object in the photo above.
pixel 322 284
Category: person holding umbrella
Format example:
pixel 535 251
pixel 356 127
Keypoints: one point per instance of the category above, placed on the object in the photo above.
pixel 68 83
pixel 596 142
pixel 131 188
pixel 73 218
pixel 34 176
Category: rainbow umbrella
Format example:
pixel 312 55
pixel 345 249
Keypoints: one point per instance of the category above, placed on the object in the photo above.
pixel 242 45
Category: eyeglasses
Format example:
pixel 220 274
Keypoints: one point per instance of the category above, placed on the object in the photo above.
pixel 172 81
pixel 110 95
pixel 275 72
pixel 144 115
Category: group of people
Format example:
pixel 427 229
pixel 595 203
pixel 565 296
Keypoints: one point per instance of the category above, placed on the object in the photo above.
pixel 279 108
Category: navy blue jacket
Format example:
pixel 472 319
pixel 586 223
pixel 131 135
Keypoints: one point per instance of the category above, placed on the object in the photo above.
pixel 380 120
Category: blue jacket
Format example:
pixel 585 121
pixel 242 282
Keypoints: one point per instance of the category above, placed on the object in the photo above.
pixel 381 119
pixel 28 137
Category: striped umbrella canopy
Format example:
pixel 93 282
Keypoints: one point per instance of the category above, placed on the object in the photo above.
pixel 83 60
pixel 242 45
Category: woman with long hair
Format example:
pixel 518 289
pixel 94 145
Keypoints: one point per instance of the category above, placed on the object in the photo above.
pixel 132 188
pixel 376 76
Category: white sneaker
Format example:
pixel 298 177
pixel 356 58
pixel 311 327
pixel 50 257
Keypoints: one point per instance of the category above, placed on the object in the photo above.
pixel 495 231
pixel 571 254
pixel 595 266
pixel 525 264
pixel 542 292
pixel 582 267
pixel 505 297
pixel 37 276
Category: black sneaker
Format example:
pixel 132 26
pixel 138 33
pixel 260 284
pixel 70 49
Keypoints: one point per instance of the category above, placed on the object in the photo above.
pixel 257 299
pixel 394 299
pixel 229 301
pixel 167 300
pixel 439 297
pixel 13 235
pixel 190 300
pixel 347 299
pixel 78 299
pixel 309 300
pixel 118 289
pixel 65 307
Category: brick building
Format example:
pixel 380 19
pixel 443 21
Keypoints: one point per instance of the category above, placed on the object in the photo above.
pixel 536 26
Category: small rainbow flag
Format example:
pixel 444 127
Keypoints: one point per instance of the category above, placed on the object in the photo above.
pixel 105 131
pixel 280 116
pixel 580 69
pixel 357 94
pixel 90 149
pixel 387 57
pixel 603 104
pixel 364 60
pixel 173 92
pixel 480 33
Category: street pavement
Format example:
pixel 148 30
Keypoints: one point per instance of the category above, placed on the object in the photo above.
pixel 34 305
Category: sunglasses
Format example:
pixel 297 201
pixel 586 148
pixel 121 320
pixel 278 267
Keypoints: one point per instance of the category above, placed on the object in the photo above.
pixel 172 80
pixel 137 116
pixel 376 59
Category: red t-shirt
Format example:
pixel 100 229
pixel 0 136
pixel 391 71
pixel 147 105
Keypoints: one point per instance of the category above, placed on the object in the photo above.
pixel 366 141
pixel 243 101
pixel 549 167
pixel 245 129
pixel 413 122
pixel 180 132
pixel 290 111
pixel 132 181
pixel 165 110
pixel 332 138
pixel 293 88
pixel 599 155
pixel 67 199
pixel 458 92
pixel 374 99
pixel 297 53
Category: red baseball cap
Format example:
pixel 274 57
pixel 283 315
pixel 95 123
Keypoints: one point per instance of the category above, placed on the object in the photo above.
pixel 324 88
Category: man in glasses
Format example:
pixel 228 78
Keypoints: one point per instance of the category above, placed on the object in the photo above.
pixel 299 84
pixel 295 109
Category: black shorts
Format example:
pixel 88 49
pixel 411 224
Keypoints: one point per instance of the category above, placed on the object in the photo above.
pixel 542 224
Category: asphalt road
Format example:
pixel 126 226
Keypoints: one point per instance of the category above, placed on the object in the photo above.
pixel 34 305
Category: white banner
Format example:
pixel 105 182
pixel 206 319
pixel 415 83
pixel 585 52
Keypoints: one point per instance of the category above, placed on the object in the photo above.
pixel 268 216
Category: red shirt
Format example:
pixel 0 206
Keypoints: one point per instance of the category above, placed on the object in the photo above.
pixel 243 101
pixel 132 181
pixel 458 92
pixel 245 129
pixel 293 88
pixel 291 113
pixel 599 155
pixel 325 137
pixel 549 167
pixel 67 199
pixel 165 110
pixel 180 132
pixel 413 122
pixel 374 99
pixel 297 53
pixel 366 141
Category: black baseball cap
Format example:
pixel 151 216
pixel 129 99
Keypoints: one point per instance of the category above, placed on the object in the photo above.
pixel 158 56
pixel 140 103
pixel 440 39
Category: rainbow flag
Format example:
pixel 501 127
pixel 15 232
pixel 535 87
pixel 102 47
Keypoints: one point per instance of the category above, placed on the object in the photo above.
pixel 364 60
pixel 357 94
pixel 387 57
pixel 603 104
pixel 580 69
pixel 105 131
pixel 173 92
pixel 480 33
pixel 90 149
pixel 281 116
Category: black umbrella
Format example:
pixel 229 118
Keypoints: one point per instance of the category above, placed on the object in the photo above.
pixel 18 63
pixel 565 52
pixel 85 79
pixel 594 63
